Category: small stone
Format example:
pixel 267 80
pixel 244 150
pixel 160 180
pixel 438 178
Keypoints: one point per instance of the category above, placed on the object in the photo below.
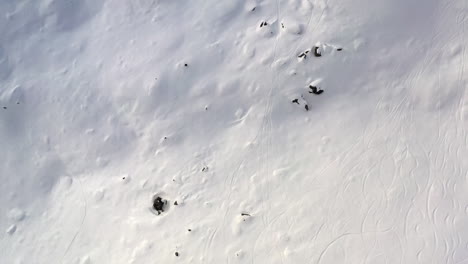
pixel 190 230
pixel 177 254
pixel 4 107
pixel 176 203
pixel 186 65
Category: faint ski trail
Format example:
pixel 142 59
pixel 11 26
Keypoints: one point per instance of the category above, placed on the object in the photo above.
pixel 308 24
pixel 81 224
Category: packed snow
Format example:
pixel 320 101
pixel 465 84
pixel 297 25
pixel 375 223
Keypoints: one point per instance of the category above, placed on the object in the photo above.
pixel 234 131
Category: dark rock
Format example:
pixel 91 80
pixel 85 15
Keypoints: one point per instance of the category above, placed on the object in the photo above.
pixel 316 52
pixel 159 204
pixel 315 90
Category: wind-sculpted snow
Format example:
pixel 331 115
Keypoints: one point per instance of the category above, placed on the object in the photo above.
pixel 286 131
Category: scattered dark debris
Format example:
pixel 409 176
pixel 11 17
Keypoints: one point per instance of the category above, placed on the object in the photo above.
pixel 159 204
pixel 306 107
pixel 205 169
pixel 176 203
pixel 253 9
pixel 282 25
pixel 177 254
pixel 4 107
pixel 339 49
pixel 296 101
pixel 317 52
pixel 264 23
pixel 315 90
pixel 186 65
pixel 245 214
pixel 304 54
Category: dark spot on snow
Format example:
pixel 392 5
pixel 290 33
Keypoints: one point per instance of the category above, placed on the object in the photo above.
pixel 296 101
pixel 317 52
pixel 282 25
pixel 186 65
pixel 315 90
pixel 190 230
pixel 264 23
pixel 205 169
pixel 339 49
pixel 123 178
pixel 165 138
pixel 306 107
pixel 177 254
pixel 4 107
pixel 253 9
pixel 176 203
pixel 304 54
pixel 245 214
pixel 159 204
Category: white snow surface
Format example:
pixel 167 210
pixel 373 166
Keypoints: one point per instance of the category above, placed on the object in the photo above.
pixel 99 115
